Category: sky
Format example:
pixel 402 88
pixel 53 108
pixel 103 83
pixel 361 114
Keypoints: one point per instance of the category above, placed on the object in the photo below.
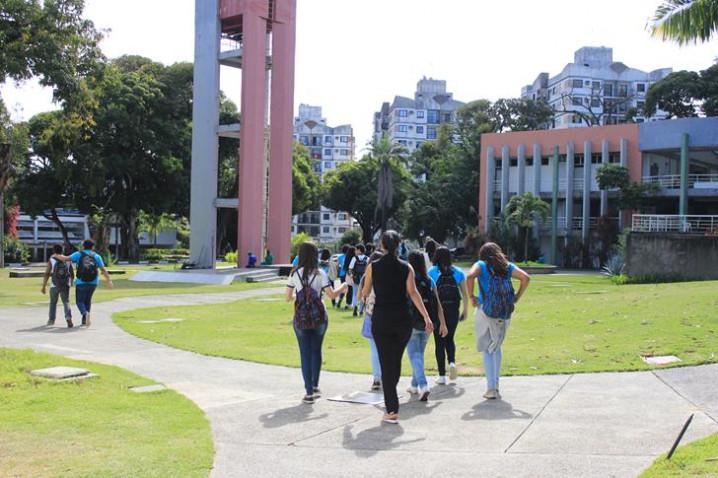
pixel 353 55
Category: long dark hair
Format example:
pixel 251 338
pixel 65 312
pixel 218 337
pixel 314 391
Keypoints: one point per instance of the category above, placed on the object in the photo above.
pixel 375 256
pixel 416 259
pixel 308 259
pixel 348 255
pixel 430 248
pixel 390 242
pixel 442 259
pixel 494 258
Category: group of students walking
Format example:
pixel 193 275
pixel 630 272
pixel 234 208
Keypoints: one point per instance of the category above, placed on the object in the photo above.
pixel 404 303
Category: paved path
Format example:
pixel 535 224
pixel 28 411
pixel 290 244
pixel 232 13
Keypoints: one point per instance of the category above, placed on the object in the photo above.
pixel 589 425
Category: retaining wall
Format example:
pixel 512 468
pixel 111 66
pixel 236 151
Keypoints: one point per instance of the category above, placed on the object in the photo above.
pixel 672 255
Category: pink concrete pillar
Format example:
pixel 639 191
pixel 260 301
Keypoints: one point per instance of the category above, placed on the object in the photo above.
pixel 280 163
pixel 251 141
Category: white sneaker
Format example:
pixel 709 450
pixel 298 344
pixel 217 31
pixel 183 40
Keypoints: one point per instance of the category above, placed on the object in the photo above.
pixel 412 390
pixel 423 394
pixel 441 380
pixel 453 373
pixel 491 395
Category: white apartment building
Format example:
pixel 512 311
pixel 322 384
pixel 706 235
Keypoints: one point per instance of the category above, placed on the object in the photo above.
pixel 328 147
pixel 409 122
pixel 595 90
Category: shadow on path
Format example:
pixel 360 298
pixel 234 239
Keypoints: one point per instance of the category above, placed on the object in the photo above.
pixel 495 410
pixel 287 416
pixel 446 391
pixel 371 441
pixel 52 329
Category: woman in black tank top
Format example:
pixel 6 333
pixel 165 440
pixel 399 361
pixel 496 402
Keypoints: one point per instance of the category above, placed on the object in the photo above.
pixel 393 282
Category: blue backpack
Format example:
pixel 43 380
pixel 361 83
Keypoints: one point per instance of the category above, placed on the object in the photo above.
pixel 309 311
pixel 498 301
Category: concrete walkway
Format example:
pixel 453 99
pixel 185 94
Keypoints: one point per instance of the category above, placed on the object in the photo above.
pixel 590 425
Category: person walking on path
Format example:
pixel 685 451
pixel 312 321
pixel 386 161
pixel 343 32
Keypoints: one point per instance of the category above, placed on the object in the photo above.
pixel 429 251
pixel 393 282
pixel 357 267
pixel 62 276
pixel 494 306
pixel 348 257
pixel 368 302
pixel 89 265
pixel 419 338
pixel 341 272
pixel 306 285
pixel 454 298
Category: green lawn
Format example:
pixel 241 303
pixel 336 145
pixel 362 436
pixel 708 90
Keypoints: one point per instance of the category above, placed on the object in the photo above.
pixel 699 459
pixel 26 292
pixel 564 324
pixel 95 427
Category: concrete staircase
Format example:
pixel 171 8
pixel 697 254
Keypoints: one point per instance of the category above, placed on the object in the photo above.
pixel 258 275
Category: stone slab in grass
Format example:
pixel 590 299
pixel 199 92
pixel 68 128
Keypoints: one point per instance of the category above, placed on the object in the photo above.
pixel 661 359
pixel 158 321
pixel 149 388
pixel 60 373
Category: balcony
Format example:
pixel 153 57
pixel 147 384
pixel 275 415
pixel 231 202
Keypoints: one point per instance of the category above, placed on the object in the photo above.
pixel 673 181
pixel 576 224
pixel 703 225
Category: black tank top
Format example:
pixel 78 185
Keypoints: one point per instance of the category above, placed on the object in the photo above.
pixel 389 281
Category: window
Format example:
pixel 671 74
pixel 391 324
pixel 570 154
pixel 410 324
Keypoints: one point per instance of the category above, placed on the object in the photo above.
pixel 578 160
pixel 513 162
pixel 595 103
pixel 328 140
pixel 433 117
pixel 345 152
pixel 419 130
pixel 614 157
pixel 327 165
pixel 325 216
pixel 420 114
pixel 586 83
pixel 577 83
pixel 595 85
pixel 431 132
pixel 402 142
pixel 344 139
pixel 545 161
pixel 596 158
pixel 325 230
pixel 530 161
pixel 327 152
pixel 304 140
pixel 640 105
pixel 641 87
pixel 403 128
pixel 576 101
pixel 402 113
pixel 317 167
pixel 622 90
pixel 342 217
pixel 341 230
pixel 607 89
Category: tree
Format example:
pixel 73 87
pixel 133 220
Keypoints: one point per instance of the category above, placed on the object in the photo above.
pixel 306 186
pixel 520 114
pixel 50 40
pixel 524 211
pixel 677 94
pixel 685 21
pixel 154 224
pixel 13 150
pixel 389 157
pixel 607 103
pixel 631 195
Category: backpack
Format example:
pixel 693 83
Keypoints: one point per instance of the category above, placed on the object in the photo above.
pixel 309 311
pixel 61 274
pixel 448 290
pixel 359 269
pixel 423 286
pixel 498 301
pixel 87 267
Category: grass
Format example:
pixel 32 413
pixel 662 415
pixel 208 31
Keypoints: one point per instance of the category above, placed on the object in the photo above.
pixel 564 324
pixel 95 427
pixel 698 459
pixel 26 292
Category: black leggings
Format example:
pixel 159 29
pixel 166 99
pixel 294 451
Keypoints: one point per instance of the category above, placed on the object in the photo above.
pixel 445 346
pixel 391 345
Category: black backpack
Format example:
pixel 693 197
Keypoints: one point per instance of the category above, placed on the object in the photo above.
pixel 61 274
pixel 448 290
pixel 87 267
pixel 359 269
pixel 423 286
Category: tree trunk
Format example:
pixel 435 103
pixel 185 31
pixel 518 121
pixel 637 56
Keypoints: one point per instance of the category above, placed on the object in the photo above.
pixel 2 230
pixel 55 218
pixel 526 244
pixel 133 239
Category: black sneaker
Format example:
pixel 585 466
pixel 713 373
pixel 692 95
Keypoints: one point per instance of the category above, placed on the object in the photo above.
pixel 50 323
pixel 355 312
pixel 376 385
pixel 70 324
pixel 317 392
pixel 84 320
pixel 308 399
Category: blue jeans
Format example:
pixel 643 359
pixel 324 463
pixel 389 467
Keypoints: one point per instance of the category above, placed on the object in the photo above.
pixel 375 365
pixel 310 354
pixel 83 297
pixel 492 366
pixel 59 293
pixel 415 348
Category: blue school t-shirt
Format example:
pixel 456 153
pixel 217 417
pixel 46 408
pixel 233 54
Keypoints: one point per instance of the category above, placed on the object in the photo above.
pixel 295 261
pixel 341 259
pixel 484 276
pixel 75 257
pixel 459 275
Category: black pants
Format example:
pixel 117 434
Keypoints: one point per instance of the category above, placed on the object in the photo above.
pixel 390 343
pixel 445 346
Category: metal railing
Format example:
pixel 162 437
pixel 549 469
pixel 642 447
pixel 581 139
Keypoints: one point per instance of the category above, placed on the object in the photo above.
pixel 577 184
pixel 673 181
pixel 707 225
pixel 576 224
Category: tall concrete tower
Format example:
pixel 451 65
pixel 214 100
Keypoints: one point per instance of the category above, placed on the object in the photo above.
pixel 257 36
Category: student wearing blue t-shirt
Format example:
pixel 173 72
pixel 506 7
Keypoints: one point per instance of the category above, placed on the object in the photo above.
pixel 87 277
pixel 491 332
pixel 451 286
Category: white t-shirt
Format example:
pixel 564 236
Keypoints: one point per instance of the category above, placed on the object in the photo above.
pixel 318 281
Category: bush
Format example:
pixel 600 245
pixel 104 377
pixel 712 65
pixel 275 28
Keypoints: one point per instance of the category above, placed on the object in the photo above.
pixel 154 254
pixel 351 237
pixel 298 239
pixel 14 250
pixel 231 257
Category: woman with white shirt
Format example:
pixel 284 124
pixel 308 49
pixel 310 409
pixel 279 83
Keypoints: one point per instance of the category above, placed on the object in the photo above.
pixel 310 327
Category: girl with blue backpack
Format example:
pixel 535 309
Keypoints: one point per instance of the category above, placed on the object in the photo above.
pixel 494 306
pixel 307 283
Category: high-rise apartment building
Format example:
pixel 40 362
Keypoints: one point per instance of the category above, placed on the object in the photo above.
pixel 328 147
pixel 409 122
pixel 595 90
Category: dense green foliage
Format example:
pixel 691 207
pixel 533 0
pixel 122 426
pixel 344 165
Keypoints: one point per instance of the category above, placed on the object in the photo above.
pixel 631 195
pixel 305 182
pixel 685 93
pixel 685 21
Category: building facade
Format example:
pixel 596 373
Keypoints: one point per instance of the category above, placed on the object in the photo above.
pixel 679 156
pixel 328 147
pixel 595 90
pixel 409 122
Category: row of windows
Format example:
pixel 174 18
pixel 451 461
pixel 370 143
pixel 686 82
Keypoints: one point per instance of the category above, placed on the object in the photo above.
pixel 578 159
pixel 313 217
pixel 404 113
pixel 315 140
pixel 432 116
pixel 344 152
pixel 621 89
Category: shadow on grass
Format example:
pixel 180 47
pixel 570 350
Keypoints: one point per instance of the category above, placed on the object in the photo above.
pixel 495 410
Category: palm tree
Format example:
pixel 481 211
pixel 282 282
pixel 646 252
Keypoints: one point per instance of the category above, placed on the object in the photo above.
pixel 524 211
pixel 685 21
pixel 387 156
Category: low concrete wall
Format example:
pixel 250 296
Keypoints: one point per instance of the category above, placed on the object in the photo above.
pixel 672 255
